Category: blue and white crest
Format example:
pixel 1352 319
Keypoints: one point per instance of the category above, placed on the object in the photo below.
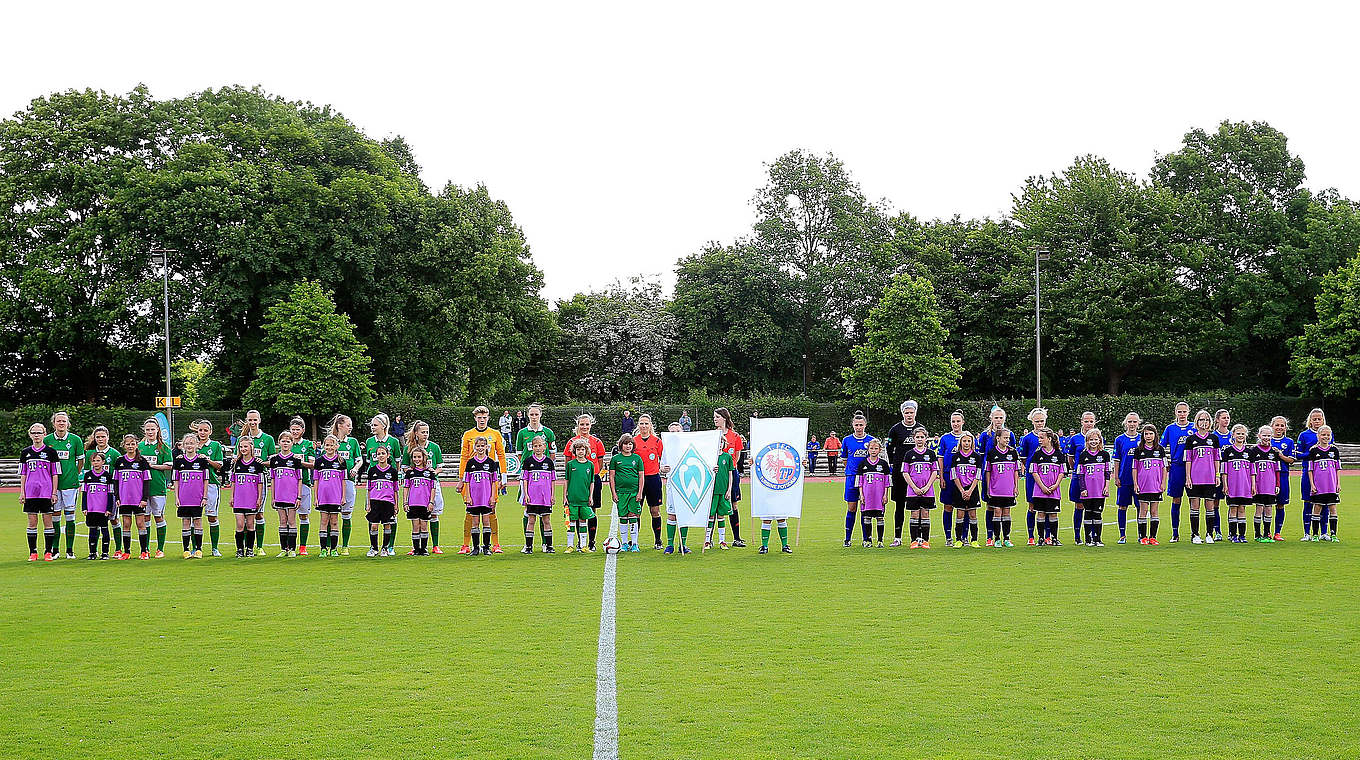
pixel 694 479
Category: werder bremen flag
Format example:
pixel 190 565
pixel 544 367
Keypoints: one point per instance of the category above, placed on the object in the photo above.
pixel 777 446
pixel 691 457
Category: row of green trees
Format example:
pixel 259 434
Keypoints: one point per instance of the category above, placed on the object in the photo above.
pixel 1220 270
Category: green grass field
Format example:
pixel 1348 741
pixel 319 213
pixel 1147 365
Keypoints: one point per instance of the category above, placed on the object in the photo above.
pixel 1123 652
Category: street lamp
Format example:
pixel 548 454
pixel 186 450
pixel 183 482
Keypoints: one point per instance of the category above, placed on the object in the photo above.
pixel 1040 254
pixel 164 254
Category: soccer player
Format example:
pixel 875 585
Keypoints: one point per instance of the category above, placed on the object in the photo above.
pixel 97 486
pixel 1308 438
pixel 856 446
pixel 875 473
pixel 212 451
pixel 382 439
pixel 420 483
pixel 523 442
pixel 1076 443
pixel 536 477
pixel 733 444
pixel 264 447
pixel 1002 484
pixel 382 502
pixel 832 447
pixel 285 472
pixel 157 453
pixel 100 438
pixel 1267 464
pixel 248 481
pixel 1149 478
pixel 1201 473
pixel 901 438
pixel 721 505
pixel 305 450
pixel 333 492
pixel 71 450
pixel 921 468
pixel 580 475
pixel 191 470
pixel 966 472
pixel 496 450
pixel 624 476
pixel 986 440
pixel 649 447
pixel 1094 465
pixel 595 449
pixel 132 475
pixel 1281 442
pixel 1238 482
pixel 1173 440
pixel 352 454
pixel 39 473
pixel 1048 466
pixel 1324 470
pixel 949 442
pixel 1030 443
pixel 418 437
pixel 1124 446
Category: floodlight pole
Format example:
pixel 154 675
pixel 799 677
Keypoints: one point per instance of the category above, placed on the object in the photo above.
pixel 165 272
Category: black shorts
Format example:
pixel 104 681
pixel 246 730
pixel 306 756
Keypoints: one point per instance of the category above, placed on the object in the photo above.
pixel 1325 499
pixel 1093 505
pixel 190 512
pixel 34 506
pixel 1266 499
pixel 331 509
pixel 1207 491
pixel 919 502
pixel 1001 502
pixel 96 519
pixel 381 511
pixel 536 509
pixel 1242 501
pixel 651 489
pixel 476 511
pixel 417 512
pixel 1153 497
pixel 1045 504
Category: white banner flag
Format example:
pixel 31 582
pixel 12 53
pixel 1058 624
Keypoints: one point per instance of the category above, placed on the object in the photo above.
pixel 691 457
pixel 777 446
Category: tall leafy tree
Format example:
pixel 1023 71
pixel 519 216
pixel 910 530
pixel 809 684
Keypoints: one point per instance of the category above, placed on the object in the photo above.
pixel 1325 358
pixel 311 362
pixel 903 354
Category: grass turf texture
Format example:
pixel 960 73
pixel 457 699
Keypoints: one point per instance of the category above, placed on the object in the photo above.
pixel 1127 651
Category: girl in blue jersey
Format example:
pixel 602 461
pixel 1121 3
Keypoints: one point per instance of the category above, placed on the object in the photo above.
pixel 1280 440
pixel 1307 440
pixel 1038 420
pixel 945 449
pixel 1173 440
pixel 856 448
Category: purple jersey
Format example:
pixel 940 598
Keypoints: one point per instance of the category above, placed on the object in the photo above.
pixel 382 484
pixel 37 467
pixel 1267 463
pixel 1235 465
pixel 874 476
pixel 419 486
pixel 286 472
pixel 1002 467
pixel 247 484
pixel 967 468
pixel 98 489
pixel 1324 469
pixel 537 476
pixel 1201 458
pixel 130 478
pixel 191 479
pixel 1047 468
pixel 1149 469
pixel 482 478
pixel 1095 468
pixel 330 480
pixel 920 466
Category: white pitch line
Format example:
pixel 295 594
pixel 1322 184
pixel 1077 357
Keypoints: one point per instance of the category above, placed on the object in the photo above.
pixel 606 686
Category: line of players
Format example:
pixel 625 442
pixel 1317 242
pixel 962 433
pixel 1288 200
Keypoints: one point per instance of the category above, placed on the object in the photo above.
pixel 1208 463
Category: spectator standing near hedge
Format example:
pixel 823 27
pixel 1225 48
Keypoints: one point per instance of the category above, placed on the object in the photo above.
pixel 832 446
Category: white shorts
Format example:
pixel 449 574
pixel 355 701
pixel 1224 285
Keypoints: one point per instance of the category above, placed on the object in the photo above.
pixel 65 501
pixel 304 500
pixel 155 506
pixel 347 508
pixel 210 499
pixel 437 506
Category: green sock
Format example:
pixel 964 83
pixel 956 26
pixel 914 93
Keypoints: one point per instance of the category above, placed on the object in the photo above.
pixel 70 536
pixel 214 530
pixel 434 531
pixel 670 534
pixel 160 537
pixel 304 528
pixel 784 534
pixel 764 537
pixel 345 525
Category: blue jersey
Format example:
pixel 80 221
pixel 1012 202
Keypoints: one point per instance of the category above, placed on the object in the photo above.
pixel 855 450
pixel 1123 452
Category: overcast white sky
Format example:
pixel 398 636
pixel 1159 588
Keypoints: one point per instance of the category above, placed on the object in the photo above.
pixel 625 135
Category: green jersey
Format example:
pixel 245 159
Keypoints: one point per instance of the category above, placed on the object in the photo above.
pixel 306 451
pixel 155 455
pixel 350 451
pixel 627 472
pixel 525 438
pixel 580 482
pixel 71 452
pixel 264 445
pixel 391 443
pixel 213 451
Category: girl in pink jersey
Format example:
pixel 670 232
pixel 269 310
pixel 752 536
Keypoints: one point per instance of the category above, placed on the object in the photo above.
pixel 419 484
pixel 875 474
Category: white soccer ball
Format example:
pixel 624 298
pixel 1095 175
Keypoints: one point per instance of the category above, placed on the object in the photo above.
pixel 611 545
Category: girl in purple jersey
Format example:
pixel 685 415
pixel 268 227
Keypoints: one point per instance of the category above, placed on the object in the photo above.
pixel 1238 482
pixel 1201 473
pixel 285 473
pixel 1094 466
pixel 191 493
pixel 418 483
pixel 1150 468
pixel 39 468
pixel 966 472
pixel 872 480
pixel 1324 477
pixel 921 470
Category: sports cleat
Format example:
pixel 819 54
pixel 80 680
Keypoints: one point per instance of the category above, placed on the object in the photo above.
pixel 896 543
pixel 144 555
pixel 464 549
pixel 371 552
pixel 1122 540
pixel 437 550
pixel 33 557
pixel 787 549
pixel 496 549
pixel 1031 542
pixel 198 554
pixel 527 550
pixel 188 554
pixel 763 550
pixel 739 544
pixel 667 550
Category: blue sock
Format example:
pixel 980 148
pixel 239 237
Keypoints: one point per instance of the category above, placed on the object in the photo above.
pixel 1123 520
pixel 1175 519
pixel 1029 522
pixel 948 515
pixel 1078 519
pixel 849 523
pixel 1279 519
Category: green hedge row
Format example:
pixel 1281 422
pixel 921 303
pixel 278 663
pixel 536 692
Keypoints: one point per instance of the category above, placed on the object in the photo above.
pixel 447 423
